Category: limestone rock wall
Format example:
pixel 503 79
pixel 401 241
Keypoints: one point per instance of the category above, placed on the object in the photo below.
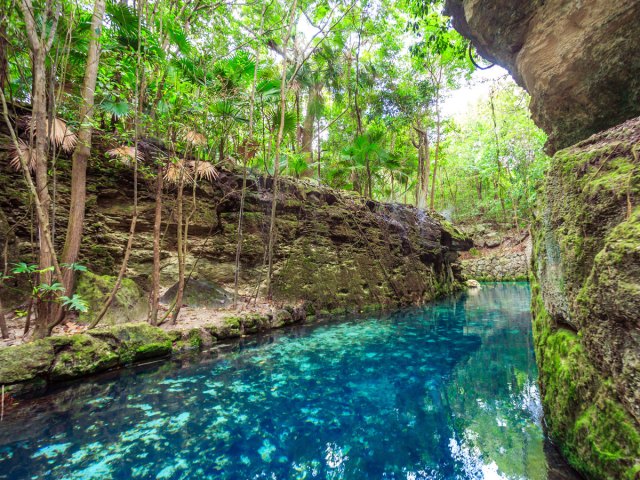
pixel 586 302
pixel 335 251
pixel 497 267
pixel 577 58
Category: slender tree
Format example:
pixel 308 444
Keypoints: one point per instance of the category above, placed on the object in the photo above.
pixel 83 148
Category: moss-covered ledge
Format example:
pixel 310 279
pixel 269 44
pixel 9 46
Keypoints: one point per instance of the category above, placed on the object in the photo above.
pixel 30 367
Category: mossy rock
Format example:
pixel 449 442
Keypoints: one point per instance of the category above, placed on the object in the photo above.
pixel 585 300
pixel 129 304
pixel 81 355
pixel 231 328
pixel 135 341
pixel 282 318
pixel 199 293
pixel 24 363
pixel 255 322
pixel 582 413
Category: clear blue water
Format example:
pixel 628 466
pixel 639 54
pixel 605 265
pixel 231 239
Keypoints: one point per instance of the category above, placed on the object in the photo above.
pixel 447 391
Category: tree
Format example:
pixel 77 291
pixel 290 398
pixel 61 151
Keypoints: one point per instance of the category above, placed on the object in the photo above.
pixel 83 147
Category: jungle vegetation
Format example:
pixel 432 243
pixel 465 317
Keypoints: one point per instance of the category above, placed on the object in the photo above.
pixel 349 94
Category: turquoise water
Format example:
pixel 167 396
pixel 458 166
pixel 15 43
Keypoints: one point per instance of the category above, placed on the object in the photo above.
pixel 447 391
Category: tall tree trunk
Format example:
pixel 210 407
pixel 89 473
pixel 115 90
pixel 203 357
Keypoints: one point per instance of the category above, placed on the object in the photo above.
pixel 43 219
pixel 283 105
pixel 245 159
pixel 43 307
pixel 4 46
pixel 83 149
pixel 424 164
pixel 134 218
pixel 40 44
pixel 498 182
pixel 319 155
pixel 308 125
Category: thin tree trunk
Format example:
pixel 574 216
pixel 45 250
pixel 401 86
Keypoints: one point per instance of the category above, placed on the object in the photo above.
pixel 181 262
pixel 308 125
pixel 123 269
pixel 4 331
pixel 283 104
pixel 39 114
pixel 83 149
pixel 437 149
pixel 40 44
pixel 157 225
pixel 498 183
pixel 319 146
pixel 4 47
pixel 245 159
pixel 134 217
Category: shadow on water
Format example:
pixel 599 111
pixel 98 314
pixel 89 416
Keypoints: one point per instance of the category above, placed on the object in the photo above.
pixel 447 391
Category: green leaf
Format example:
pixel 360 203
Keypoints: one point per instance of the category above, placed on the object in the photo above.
pixel 24 268
pixel 75 303
pixel 45 288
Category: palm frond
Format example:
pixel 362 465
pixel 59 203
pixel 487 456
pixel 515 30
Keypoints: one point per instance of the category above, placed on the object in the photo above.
pixel 22 150
pixel 195 138
pixel 125 155
pixel 59 133
pixel 204 170
pixel 177 169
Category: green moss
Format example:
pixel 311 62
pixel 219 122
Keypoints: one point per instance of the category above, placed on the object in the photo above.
pixel 22 363
pixel 231 328
pixel 135 341
pixel 95 289
pixel 586 253
pixel 81 355
pixel 254 322
pixel 195 338
pixel 453 231
pixel 594 431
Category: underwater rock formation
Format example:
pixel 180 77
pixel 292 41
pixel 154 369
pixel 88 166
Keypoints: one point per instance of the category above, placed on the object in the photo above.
pixel 578 59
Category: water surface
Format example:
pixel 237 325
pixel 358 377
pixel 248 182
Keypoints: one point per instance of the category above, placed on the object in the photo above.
pixel 447 391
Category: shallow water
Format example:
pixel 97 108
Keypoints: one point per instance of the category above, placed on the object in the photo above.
pixel 447 391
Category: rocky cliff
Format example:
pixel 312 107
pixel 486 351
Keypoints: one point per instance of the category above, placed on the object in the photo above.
pixel 335 251
pixel 578 59
pixel 586 302
pixel 579 62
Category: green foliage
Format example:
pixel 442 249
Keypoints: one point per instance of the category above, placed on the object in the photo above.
pixel 75 303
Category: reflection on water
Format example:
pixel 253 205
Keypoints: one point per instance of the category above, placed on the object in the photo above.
pixel 443 392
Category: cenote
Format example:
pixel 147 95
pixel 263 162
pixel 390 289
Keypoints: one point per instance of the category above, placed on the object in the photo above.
pixel 447 391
